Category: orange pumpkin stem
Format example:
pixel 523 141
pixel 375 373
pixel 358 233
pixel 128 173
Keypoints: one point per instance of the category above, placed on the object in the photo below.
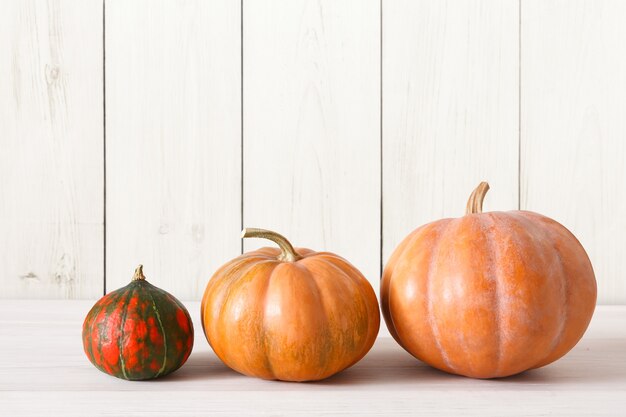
pixel 475 202
pixel 288 254
pixel 139 274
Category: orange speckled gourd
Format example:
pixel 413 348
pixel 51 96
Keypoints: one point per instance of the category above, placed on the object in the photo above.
pixel 138 331
pixel 488 294
pixel 289 314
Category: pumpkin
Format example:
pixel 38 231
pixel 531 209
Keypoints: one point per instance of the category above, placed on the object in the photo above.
pixel 138 331
pixel 289 314
pixel 488 294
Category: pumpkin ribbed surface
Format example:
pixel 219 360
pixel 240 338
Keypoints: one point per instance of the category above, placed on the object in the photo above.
pixel 297 320
pixel 489 294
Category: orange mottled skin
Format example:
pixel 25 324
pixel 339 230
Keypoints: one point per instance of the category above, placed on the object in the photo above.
pixel 489 294
pixel 295 321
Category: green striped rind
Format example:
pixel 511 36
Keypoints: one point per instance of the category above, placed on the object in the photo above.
pixel 155 310
pixel 107 305
pixel 179 340
pixel 177 343
pixel 120 340
pixel 140 302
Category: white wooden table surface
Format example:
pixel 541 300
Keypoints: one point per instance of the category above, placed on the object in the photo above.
pixel 43 371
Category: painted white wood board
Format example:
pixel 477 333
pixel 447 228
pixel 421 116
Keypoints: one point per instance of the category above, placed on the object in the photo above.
pixel 573 127
pixel 450 110
pixel 46 372
pixel 173 153
pixel 311 84
pixel 173 97
pixel 51 149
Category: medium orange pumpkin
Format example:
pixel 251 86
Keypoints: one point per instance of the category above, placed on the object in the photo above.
pixel 488 294
pixel 292 315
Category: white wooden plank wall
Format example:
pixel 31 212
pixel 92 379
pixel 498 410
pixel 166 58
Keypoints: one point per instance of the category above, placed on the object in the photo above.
pixel 574 127
pixel 312 125
pixel 51 157
pixel 278 114
pixel 173 141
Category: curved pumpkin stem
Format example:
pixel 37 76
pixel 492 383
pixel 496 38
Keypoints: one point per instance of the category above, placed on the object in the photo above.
pixel 475 202
pixel 288 254
pixel 139 274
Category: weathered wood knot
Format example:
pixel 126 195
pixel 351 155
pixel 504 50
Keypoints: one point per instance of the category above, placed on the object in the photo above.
pixel 53 72
pixel 30 275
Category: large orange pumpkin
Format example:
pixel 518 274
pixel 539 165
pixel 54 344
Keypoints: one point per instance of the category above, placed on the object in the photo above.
pixel 488 294
pixel 287 314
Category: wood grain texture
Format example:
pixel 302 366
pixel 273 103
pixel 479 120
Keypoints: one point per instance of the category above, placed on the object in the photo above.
pixel 574 129
pixel 173 141
pixel 450 110
pixel 312 147
pixel 51 157
pixel 194 403
pixel 312 126
pixel 55 378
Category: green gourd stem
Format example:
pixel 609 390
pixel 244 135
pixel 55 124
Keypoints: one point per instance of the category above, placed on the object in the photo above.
pixel 475 202
pixel 139 274
pixel 288 254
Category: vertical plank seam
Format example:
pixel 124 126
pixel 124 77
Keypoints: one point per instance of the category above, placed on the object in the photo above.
pixel 241 115
pixel 104 153
pixel 380 255
pixel 519 106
